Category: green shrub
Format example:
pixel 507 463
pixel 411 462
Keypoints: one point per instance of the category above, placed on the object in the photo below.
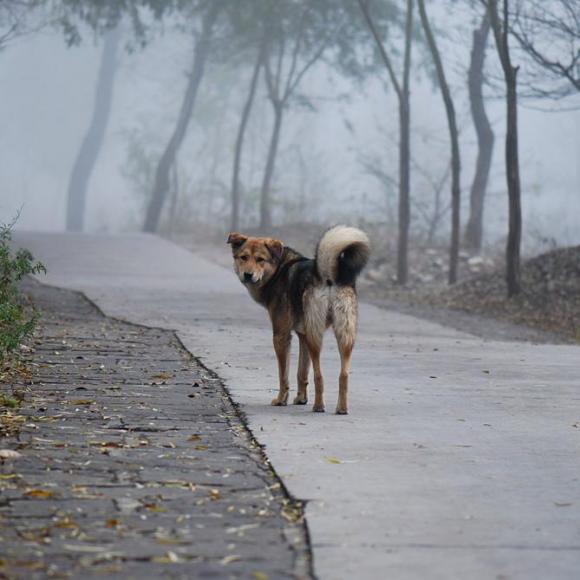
pixel 16 321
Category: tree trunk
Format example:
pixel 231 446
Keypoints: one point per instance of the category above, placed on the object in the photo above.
pixel 402 90
pixel 513 248
pixel 454 135
pixel 161 185
pixel 404 187
pixel 93 140
pixel 235 222
pixel 265 195
pixel 514 189
pixel 485 137
pixel 405 155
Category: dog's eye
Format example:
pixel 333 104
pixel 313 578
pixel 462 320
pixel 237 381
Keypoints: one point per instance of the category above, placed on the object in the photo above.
pixel 259 260
pixel 244 258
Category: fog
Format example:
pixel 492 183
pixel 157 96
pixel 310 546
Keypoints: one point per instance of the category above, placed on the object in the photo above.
pixel 47 98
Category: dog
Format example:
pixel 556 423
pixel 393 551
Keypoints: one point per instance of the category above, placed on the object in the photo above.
pixel 306 296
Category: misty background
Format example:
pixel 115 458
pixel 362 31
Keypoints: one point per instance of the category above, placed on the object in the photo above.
pixel 327 144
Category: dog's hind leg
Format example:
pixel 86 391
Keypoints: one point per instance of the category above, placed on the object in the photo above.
pixel 344 314
pixel 282 347
pixel 314 348
pixel 303 371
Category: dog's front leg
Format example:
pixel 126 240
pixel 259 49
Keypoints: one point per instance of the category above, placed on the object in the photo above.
pixel 282 347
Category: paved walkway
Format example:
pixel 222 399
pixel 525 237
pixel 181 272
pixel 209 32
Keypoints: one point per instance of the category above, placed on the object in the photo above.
pixel 135 463
pixel 460 458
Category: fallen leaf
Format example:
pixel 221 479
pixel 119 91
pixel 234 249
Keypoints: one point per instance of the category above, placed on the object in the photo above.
pixel 163 376
pixel 169 558
pixel 81 402
pixel 9 454
pixel 563 503
pixel 194 438
pixel 333 460
pixel 229 559
pixel 260 576
pixel 214 494
pixel 171 541
pixel 113 444
pixel 66 524
pixel 155 508
pixel 39 493
pixel 292 514
pixel 86 549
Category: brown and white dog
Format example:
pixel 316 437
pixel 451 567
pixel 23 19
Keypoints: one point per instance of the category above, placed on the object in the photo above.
pixel 306 296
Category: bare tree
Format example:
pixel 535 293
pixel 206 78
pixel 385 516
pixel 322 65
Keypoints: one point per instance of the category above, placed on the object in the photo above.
pixel 402 90
pixel 485 136
pixel 549 33
pixel 297 43
pixel 428 202
pixel 161 184
pixel 501 27
pixel 22 17
pixel 93 140
pixel 247 109
pixel 433 213
pixel 454 136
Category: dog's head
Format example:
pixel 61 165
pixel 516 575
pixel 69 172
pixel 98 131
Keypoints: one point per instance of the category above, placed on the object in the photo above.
pixel 255 259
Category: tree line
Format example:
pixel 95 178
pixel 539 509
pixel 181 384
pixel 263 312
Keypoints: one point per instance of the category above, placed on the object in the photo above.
pixel 359 39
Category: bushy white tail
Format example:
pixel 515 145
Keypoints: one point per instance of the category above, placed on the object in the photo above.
pixel 341 254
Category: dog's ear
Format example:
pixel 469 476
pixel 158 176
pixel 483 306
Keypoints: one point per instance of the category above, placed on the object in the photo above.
pixel 236 240
pixel 275 247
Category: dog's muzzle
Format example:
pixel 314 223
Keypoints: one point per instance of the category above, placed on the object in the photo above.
pixel 248 278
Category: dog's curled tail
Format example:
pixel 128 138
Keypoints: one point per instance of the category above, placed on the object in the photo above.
pixel 341 254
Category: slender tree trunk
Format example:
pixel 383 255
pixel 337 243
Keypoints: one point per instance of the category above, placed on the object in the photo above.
pixel 404 189
pixel 93 140
pixel 235 222
pixel 405 155
pixel 161 184
pixel 265 195
pixel 513 248
pixel 402 90
pixel 514 189
pixel 454 135
pixel 485 137
pixel 174 198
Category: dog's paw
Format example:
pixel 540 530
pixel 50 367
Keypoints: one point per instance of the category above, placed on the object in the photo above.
pixel 278 402
pixel 318 408
pixel 300 400
pixel 341 411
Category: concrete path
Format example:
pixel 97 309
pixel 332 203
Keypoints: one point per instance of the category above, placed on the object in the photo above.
pixel 460 458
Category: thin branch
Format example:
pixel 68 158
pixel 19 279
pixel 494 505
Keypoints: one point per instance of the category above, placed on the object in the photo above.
pixel 365 10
